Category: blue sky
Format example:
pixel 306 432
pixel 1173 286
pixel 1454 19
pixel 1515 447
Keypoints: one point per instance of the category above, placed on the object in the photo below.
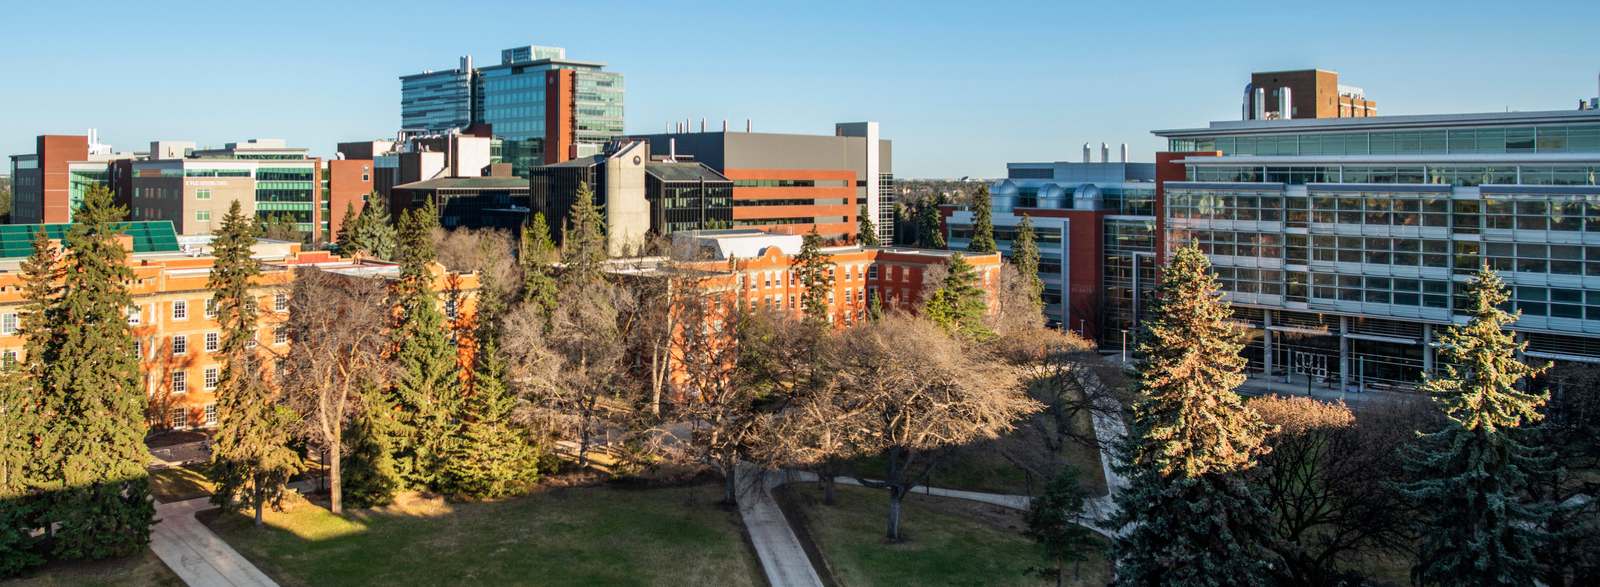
pixel 960 87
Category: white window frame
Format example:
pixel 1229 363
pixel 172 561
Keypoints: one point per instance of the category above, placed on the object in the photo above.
pixel 211 307
pixel 280 335
pixel 135 312
pixel 8 323
pixel 202 194
pixel 212 375
pixel 180 418
pixel 202 216
pixel 180 345
pixel 180 382
pixel 213 342
pixel 280 302
pixel 211 414
pixel 180 310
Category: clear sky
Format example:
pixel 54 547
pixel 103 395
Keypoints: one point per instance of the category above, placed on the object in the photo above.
pixel 960 87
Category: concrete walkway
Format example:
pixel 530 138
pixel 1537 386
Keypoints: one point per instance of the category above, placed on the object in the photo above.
pixel 197 555
pixel 777 547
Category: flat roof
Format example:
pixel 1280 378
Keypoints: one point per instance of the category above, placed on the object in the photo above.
pixel 153 236
pixel 1248 127
pixel 465 183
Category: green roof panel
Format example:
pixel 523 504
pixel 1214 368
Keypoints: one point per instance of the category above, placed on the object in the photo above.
pixel 153 236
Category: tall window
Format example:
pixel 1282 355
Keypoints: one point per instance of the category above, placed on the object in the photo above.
pixel 211 414
pixel 180 345
pixel 280 302
pixel 8 358
pixel 211 307
pixel 180 310
pixel 211 377
pixel 280 335
pixel 180 418
pixel 133 314
pixel 213 342
pixel 8 323
pixel 180 382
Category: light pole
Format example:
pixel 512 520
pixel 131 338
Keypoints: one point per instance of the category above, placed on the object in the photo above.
pixel 1124 346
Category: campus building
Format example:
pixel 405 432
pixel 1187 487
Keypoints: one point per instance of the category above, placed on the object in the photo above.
pixel 794 183
pixel 1095 226
pixel 640 194
pixel 1306 93
pixel 172 318
pixel 1345 242
pixel 48 184
pixel 546 108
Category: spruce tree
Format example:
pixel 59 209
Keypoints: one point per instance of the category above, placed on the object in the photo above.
pixel 491 457
pixel 959 304
pixel 1188 517
pixel 539 283
pixel 929 235
pixel 375 231
pixel 91 369
pixel 20 426
pixel 869 232
pixel 875 306
pixel 1477 526
pixel 427 389
pixel 583 241
pixel 370 478
pixel 815 270
pixel 1025 255
pixel 345 240
pixel 1053 525
pixel 251 459
pixel 982 223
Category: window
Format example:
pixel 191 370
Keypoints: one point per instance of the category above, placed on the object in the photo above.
pixel 203 194
pixel 202 215
pixel 180 418
pixel 8 358
pixel 213 342
pixel 280 335
pixel 211 377
pixel 280 302
pixel 211 414
pixel 180 345
pixel 211 307
pixel 180 310
pixel 872 272
pixel 180 382
pixel 133 314
pixel 366 177
pixel 449 309
pixel 8 323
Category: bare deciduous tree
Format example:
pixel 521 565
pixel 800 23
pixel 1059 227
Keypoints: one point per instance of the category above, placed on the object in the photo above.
pixel 337 326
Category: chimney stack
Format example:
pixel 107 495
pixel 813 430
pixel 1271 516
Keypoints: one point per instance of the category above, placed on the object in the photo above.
pixel 702 124
pixel 1124 152
pixel 1105 153
pixel 747 125
pixel 724 125
pixel 1285 105
pixel 1258 108
pixel 1087 150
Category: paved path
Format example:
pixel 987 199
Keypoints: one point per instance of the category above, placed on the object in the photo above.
pixel 197 555
pixel 777 547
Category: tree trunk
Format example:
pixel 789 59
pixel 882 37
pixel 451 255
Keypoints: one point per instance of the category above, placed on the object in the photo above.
pixel 1058 573
pixel 827 490
pixel 583 434
pixel 894 512
pixel 259 498
pixel 335 485
pixel 730 490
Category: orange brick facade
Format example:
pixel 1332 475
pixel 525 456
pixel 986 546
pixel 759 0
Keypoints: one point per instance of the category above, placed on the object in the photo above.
pixel 349 182
pixel 839 186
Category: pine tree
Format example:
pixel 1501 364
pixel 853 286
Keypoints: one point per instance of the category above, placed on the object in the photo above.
pixel 959 304
pixel 815 270
pixel 1025 255
pixel 20 426
pixel 982 223
pixel 1187 516
pixel 875 306
pixel 929 235
pixel 251 459
pixel 349 227
pixel 1053 525
pixel 869 232
pixel 491 457
pixel 375 231
pixel 104 507
pixel 539 284
pixel 370 477
pixel 1477 528
pixel 583 241
pixel 428 387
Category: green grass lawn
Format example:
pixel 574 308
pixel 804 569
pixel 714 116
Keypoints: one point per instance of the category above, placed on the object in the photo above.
pixel 946 541
pixel 581 536
pixel 140 570
pixel 981 467
pixel 179 483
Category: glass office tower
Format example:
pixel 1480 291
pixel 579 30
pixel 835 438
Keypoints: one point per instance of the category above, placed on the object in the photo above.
pixel 1350 239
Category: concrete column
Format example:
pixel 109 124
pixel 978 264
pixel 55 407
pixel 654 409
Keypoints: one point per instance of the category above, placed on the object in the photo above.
pixel 1266 343
pixel 1344 352
pixel 1427 349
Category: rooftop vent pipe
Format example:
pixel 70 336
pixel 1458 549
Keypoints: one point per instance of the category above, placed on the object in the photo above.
pixel 1087 150
pixel 1105 153
pixel 1124 152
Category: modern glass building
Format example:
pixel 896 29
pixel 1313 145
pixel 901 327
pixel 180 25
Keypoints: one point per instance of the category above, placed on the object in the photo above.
pixel 545 107
pixel 1349 239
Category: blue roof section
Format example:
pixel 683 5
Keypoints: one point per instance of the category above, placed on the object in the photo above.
pixel 155 236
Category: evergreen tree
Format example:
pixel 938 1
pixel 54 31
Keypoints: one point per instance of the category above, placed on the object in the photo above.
pixel 959 304
pixel 428 386
pixel 1053 525
pixel 20 426
pixel 251 459
pixel 583 241
pixel 492 457
pixel 1188 517
pixel 539 284
pixel 369 475
pixel 815 270
pixel 345 241
pixel 875 306
pixel 982 223
pixel 869 232
pixel 929 235
pixel 1025 255
pixel 281 227
pixel 375 231
pixel 1477 528
pixel 103 508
